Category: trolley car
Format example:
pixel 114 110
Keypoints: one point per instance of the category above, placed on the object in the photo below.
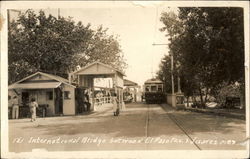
pixel 153 91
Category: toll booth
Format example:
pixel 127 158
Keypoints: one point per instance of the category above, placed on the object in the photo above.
pixel 176 100
pixel 85 77
pixel 130 91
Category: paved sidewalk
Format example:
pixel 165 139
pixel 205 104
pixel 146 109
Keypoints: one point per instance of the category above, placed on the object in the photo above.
pixel 230 113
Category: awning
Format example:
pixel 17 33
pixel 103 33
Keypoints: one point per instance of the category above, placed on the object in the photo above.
pixel 129 83
pixel 43 85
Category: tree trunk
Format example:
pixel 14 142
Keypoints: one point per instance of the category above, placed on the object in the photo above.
pixel 201 96
pixel 187 101
pixel 206 94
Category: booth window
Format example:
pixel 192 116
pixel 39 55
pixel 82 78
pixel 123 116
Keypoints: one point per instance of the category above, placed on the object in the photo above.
pixel 160 88
pixel 66 94
pixel 153 88
pixel 50 95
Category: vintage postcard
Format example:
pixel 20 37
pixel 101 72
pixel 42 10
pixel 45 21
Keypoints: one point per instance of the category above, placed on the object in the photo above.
pixel 124 79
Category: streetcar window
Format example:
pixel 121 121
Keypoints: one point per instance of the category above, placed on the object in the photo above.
pixel 147 89
pixel 153 88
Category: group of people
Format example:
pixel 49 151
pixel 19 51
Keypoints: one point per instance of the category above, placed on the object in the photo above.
pixel 15 108
pixel 99 98
pixel 33 105
pixel 99 95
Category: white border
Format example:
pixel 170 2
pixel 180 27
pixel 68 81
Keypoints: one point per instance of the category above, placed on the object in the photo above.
pixel 111 154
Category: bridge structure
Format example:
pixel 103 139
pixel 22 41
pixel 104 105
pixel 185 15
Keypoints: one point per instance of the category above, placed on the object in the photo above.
pixel 85 77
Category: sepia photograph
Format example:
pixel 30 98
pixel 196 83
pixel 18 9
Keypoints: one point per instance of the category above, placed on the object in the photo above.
pixel 125 79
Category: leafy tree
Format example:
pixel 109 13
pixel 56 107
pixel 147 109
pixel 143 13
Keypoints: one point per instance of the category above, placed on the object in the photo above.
pixel 164 74
pixel 57 45
pixel 208 47
pixel 232 90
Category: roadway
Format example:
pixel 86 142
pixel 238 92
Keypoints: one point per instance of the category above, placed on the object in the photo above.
pixel 140 127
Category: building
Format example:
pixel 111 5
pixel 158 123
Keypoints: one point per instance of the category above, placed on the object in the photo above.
pixel 53 91
pixel 84 77
pixel 131 90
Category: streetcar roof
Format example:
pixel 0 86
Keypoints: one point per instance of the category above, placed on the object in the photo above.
pixel 153 81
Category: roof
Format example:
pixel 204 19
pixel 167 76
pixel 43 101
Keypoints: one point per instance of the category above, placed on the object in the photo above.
pixel 129 83
pixel 97 62
pixel 153 81
pixel 58 78
pixel 41 85
pixel 44 85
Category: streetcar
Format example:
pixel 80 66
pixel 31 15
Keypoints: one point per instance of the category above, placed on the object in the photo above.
pixel 153 91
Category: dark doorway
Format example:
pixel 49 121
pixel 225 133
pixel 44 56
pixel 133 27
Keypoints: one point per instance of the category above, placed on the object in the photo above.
pixel 25 98
pixel 58 101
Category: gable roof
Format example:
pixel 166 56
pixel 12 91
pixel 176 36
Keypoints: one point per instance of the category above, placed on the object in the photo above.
pixel 129 83
pixel 97 62
pixel 55 77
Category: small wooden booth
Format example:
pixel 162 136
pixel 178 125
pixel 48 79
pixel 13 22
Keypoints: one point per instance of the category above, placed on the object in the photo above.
pixel 130 91
pixel 51 91
pixel 84 77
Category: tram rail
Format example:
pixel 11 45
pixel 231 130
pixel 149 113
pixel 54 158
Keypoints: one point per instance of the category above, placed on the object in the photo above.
pixel 174 120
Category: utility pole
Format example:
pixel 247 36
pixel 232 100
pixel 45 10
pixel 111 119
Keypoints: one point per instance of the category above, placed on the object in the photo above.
pixel 172 73
pixel 58 13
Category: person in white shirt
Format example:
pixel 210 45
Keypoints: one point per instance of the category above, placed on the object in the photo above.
pixel 15 108
pixel 115 105
pixel 33 105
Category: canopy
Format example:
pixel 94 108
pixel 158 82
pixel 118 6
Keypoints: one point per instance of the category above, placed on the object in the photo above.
pixel 42 85
pixel 129 83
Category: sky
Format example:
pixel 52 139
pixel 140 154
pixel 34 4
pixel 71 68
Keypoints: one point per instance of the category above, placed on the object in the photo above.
pixel 137 26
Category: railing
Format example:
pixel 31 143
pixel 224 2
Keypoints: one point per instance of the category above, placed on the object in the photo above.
pixel 102 100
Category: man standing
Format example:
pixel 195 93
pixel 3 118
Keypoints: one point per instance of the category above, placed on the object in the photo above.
pixel 86 100
pixel 15 108
pixel 116 109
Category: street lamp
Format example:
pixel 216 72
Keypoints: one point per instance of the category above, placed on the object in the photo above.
pixel 172 68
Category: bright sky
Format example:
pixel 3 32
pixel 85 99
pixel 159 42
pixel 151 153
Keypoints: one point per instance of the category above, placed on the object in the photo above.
pixel 137 26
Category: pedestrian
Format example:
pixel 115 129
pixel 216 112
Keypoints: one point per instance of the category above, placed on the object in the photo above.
pixel 33 105
pixel 115 105
pixel 15 108
pixel 86 100
pixel 97 97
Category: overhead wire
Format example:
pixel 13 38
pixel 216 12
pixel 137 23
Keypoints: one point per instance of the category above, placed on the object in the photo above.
pixel 154 37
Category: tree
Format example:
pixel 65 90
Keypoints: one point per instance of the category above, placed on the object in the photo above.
pixel 208 47
pixel 164 73
pixel 57 45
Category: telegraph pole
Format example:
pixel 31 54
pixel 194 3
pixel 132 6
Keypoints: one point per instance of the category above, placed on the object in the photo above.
pixel 58 13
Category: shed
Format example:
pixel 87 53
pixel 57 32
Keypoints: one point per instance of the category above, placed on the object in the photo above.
pixel 52 90
pixel 131 91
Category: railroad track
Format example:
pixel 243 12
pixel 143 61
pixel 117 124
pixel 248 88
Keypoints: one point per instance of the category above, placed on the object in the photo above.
pixel 147 120
pixel 172 118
